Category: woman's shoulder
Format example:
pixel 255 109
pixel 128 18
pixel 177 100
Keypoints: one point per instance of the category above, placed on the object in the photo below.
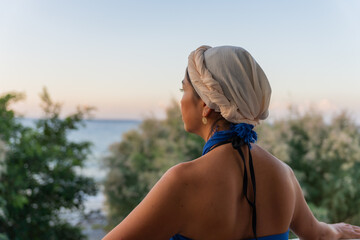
pixel 190 178
pixel 184 173
pixel 269 160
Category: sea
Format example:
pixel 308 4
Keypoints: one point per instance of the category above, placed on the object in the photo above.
pixel 102 134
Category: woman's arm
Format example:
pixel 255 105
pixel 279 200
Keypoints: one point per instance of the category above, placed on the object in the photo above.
pixel 159 215
pixel 307 227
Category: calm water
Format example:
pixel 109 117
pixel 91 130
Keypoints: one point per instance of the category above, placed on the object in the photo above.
pixel 102 133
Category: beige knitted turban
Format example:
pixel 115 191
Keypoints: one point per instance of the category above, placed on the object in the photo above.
pixel 230 81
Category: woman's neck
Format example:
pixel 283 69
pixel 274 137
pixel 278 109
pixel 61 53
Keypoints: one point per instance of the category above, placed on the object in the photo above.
pixel 216 126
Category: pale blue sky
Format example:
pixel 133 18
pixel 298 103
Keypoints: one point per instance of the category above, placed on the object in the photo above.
pixel 127 58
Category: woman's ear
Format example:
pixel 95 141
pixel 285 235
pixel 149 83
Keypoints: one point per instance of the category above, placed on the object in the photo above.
pixel 206 111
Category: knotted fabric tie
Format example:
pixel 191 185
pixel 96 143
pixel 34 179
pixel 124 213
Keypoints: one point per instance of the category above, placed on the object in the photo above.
pixel 239 134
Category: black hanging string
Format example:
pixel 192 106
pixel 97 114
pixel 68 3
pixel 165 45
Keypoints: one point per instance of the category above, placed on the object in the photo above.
pixel 237 142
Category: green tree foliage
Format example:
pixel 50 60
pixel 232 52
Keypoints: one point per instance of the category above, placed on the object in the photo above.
pixel 2 169
pixel 325 157
pixel 38 180
pixel 140 159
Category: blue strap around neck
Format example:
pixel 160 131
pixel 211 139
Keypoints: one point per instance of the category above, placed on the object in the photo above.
pixel 242 130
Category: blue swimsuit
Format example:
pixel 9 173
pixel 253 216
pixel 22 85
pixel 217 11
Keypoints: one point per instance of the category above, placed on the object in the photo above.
pixel 283 236
pixel 239 135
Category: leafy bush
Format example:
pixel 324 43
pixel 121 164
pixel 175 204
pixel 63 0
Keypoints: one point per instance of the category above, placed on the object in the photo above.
pixel 39 179
pixel 325 158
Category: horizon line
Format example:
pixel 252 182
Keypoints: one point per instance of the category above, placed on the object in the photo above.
pixel 90 119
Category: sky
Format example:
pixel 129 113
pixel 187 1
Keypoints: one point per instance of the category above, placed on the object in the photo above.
pixel 127 58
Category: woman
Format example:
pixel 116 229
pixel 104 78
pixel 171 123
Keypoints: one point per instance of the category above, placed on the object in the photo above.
pixel 236 189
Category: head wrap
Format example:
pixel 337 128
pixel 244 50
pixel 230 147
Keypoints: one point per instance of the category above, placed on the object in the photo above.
pixel 230 81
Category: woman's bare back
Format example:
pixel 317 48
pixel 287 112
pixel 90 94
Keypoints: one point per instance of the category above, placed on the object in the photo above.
pixel 218 207
pixel 202 199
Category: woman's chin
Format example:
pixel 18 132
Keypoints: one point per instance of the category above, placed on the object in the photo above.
pixel 185 128
pixel 189 130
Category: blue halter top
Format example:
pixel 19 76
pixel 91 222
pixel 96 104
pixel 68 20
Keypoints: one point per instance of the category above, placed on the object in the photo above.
pixel 239 135
pixel 282 236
